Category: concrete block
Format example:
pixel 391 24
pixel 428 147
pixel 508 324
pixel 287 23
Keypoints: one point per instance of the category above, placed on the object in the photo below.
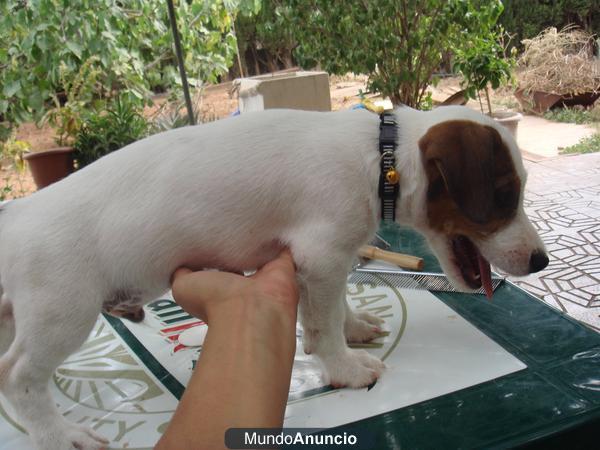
pixel 292 90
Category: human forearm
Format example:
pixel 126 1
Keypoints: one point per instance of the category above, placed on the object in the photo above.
pixel 242 378
pixel 250 358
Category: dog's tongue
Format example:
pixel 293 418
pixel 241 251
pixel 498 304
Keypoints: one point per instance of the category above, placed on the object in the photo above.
pixel 486 275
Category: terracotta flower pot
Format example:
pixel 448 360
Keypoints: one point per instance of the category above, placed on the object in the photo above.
pixel 585 99
pixel 49 166
pixel 536 102
pixel 458 98
pixel 510 119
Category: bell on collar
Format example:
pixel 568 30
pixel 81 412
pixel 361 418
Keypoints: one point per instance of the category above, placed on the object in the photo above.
pixel 392 176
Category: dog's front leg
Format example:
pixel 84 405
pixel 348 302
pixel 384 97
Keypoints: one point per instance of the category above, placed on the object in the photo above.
pixel 322 312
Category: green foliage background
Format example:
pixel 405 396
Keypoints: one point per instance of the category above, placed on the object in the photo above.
pixel 398 43
pixel 46 41
pixel 127 44
pixel 266 40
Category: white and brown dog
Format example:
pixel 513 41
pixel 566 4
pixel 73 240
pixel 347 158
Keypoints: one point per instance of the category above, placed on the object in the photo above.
pixel 230 195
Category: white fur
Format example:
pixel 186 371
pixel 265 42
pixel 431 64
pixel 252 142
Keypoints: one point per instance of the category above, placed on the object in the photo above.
pixel 227 195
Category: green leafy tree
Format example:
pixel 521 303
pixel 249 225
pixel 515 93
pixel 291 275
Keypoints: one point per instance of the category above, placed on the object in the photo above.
pixel 484 63
pixel 265 37
pixel 398 43
pixel 43 42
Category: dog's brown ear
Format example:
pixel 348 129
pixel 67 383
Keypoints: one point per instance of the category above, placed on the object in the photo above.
pixel 462 153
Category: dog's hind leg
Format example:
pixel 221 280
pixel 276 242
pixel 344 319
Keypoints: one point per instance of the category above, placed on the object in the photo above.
pixel 48 329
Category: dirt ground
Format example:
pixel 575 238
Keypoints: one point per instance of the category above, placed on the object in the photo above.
pixel 218 101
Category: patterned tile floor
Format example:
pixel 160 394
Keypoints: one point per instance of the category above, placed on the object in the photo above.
pixel 563 202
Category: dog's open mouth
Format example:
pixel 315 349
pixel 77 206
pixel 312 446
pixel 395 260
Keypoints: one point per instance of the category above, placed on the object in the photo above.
pixel 474 268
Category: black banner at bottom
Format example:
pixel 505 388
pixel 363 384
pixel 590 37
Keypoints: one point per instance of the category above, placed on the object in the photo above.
pixel 297 438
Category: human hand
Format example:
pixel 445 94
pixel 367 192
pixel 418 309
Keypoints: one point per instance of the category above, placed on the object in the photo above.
pixel 243 377
pixel 211 295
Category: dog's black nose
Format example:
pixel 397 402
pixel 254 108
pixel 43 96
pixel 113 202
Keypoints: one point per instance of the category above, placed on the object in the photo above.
pixel 538 261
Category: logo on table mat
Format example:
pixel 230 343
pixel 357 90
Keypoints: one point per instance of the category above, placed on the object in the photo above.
pixel 375 297
pixel 104 387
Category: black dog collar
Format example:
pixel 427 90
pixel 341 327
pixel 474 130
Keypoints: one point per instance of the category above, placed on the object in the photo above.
pixel 389 179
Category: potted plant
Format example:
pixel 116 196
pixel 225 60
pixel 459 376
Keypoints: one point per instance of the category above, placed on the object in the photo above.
pixel 49 166
pixel 484 64
pixel 104 130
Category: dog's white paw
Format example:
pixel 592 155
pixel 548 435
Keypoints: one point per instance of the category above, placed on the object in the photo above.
pixel 369 318
pixel 70 437
pixel 363 327
pixel 353 368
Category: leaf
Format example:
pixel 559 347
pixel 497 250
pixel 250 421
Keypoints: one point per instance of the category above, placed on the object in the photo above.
pixel 11 88
pixel 35 101
pixel 42 42
pixel 109 36
pixel 75 48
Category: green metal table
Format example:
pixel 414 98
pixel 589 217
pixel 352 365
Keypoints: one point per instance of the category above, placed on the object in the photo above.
pixel 554 403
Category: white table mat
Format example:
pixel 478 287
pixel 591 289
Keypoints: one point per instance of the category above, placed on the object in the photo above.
pixel 126 379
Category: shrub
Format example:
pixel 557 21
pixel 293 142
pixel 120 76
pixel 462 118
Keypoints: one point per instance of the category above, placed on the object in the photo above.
pixel 78 95
pixel 568 115
pixel 104 131
pixel 13 167
pixel 47 41
pixel 589 144
pixel 173 113
pixel 484 63
pixel 398 43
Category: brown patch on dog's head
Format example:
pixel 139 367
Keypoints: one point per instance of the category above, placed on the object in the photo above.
pixel 473 185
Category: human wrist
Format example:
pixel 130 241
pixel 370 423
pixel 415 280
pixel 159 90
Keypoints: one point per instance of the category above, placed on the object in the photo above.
pixel 259 331
pixel 251 309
